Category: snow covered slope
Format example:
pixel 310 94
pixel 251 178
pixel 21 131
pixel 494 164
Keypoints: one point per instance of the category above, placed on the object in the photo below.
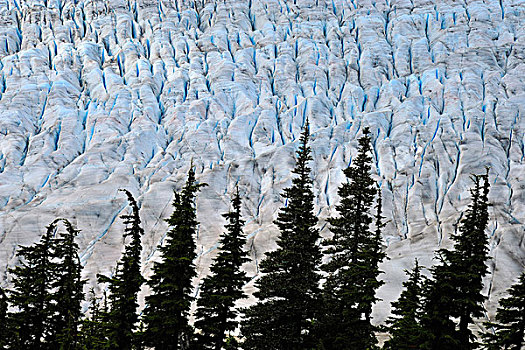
pixel 100 95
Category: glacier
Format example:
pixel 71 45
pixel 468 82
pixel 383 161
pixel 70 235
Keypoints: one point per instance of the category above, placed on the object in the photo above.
pixel 100 95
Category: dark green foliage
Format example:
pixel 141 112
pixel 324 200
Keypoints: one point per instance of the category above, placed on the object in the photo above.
pixel 469 261
pixel 95 327
pixel 30 295
pixel 404 327
pixel 4 329
pixel 126 283
pixel 139 336
pixel 231 344
pixel 288 290
pixel 167 307
pixel 509 328
pixel 455 291
pixel 67 287
pixel 47 292
pixel 374 255
pixel 354 255
pixel 223 287
pixel 439 330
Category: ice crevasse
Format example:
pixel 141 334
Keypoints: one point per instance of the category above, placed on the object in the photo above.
pixel 101 95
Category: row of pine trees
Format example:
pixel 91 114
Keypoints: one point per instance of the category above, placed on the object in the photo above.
pixel 311 293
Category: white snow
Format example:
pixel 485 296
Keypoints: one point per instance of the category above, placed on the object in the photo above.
pixel 99 95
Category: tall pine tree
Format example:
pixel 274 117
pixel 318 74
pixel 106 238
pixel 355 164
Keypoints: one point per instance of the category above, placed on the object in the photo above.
pixel 438 328
pixel 374 255
pixel 455 292
pixel 167 307
pixel 67 287
pixel 94 326
pixel 216 314
pixel 354 255
pixel 404 326
pixel 288 290
pixel 471 252
pixel 509 328
pixel 126 283
pixel 31 296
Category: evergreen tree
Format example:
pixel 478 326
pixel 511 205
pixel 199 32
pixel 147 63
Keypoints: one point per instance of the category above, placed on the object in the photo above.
pixel 31 295
pixel 455 291
pixel 288 290
pixel 404 327
pixel 126 283
pixel 4 328
pixel 374 255
pixel 47 292
pixel 355 254
pixel 94 327
pixel 510 320
pixel 232 343
pixel 471 252
pixel 67 288
pixel 139 336
pixel 438 329
pixel 168 305
pixel 220 290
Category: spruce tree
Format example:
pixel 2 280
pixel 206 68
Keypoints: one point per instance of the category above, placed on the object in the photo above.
pixel 471 252
pixel 216 314
pixel 405 327
pixel 126 283
pixel 288 290
pixel 4 328
pixel 455 292
pixel 374 255
pixel 167 307
pixel 47 292
pixel 67 288
pixel 354 253
pixel 94 326
pixel 438 329
pixel 509 328
pixel 31 296
pixel 232 343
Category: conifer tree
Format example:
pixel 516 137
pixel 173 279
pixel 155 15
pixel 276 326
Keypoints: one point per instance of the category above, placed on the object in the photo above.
pixel 404 327
pixel 167 307
pixel 31 295
pixel 47 292
pixel 220 290
pixel 67 288
pixel 4 329
pixel 455 292
pixel 509 328
pixel 374 255
pixel 94 327
pixel 126 283
pixel 288 290
pixel 232 343
pixel 471 252
pixel 438 329
pixel 354 255
pixel 139 336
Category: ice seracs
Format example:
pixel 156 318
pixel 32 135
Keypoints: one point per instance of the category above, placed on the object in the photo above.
pixel 101 95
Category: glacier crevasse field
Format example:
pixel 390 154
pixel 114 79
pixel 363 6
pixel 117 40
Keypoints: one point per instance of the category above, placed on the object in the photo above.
pixel 101 95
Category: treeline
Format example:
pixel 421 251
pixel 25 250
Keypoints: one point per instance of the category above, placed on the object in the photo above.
pixel 312 293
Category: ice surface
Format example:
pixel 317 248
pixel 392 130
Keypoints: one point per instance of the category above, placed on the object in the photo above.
pixel 100 95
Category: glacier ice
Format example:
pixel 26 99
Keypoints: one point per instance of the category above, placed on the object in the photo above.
pixel 99 95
